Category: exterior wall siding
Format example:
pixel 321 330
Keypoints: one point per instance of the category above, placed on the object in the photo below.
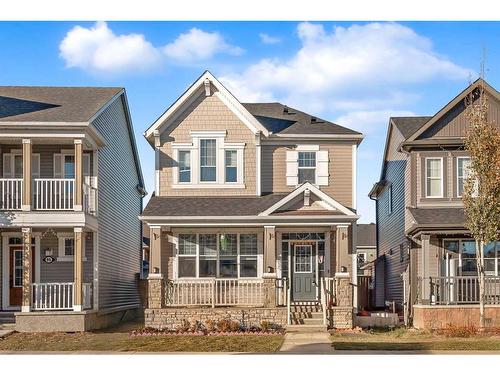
pixel 207 113
pixel 119 235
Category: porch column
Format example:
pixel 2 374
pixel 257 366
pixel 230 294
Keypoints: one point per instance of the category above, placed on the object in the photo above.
pixel 269 250
pixel 27 178
pixel 342 249
pixel 425 255
pixel 78 204
pixel 78 266
pixel 27 270
pixel 156 285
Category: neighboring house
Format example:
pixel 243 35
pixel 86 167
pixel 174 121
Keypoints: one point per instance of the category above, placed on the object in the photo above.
pixel 427 259
pixel 250 199
pixel 366 248
pixel 70 192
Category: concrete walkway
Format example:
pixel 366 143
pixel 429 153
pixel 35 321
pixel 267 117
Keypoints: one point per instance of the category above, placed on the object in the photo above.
pixel 5 332
pixel 307 343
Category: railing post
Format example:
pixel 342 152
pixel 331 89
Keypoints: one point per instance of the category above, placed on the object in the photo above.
pixel 214 292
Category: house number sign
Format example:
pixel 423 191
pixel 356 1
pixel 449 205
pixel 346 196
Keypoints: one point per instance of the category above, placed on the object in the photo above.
pixel 48 259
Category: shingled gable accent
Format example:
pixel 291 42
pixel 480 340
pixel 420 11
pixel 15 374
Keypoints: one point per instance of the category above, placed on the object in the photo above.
pixel 223 94
pixel 460 97
pixel 330 203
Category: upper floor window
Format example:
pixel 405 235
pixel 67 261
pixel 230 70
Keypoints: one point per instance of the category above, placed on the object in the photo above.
pixel 463 165
pixel 307 166
pixel 434 177
pixel 208 160
pixel 184 166
pixel 231 161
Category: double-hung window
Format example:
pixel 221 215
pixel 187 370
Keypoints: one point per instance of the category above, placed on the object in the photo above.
pixel 231 165
pixel 208 255
pixel 463 164
pixel 434 177
pixel 184 166
pixel 228 255
pixel 208 160
pixel 307 166
pixel 187 255
pixel 248 255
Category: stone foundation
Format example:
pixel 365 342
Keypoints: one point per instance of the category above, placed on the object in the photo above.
pixel 438 317
pixel 341 317
pixel 171 317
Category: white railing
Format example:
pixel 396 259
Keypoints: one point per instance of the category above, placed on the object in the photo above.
pixel 54 193
pixel 328 296
pixel 58 296
pixel 458 290
pixel 90 199
pixel 11 190
pixel 215 292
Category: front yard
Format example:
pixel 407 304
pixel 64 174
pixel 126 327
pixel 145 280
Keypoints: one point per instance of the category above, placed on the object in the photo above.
pixel 410 339
pixel 119 340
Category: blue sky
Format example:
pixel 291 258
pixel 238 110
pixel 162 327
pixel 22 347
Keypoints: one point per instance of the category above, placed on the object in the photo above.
pixel 354 73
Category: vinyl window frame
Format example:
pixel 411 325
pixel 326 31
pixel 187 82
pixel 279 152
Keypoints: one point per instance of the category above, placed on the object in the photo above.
pixel 458 177
pixel 61 247
pixel 313 168
pixel 427 177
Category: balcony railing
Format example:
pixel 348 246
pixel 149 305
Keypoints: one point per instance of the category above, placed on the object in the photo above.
pixel 58 296
pixel 215 292
pixel 11 190
pixel 53 193
pixel 458 290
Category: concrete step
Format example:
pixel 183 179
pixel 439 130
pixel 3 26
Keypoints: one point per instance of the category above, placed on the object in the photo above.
pixel 306 328
pixel 307 314
pixel 313 322
pixel 7 326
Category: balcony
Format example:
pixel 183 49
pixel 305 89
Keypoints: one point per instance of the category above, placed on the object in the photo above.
pixel 49 194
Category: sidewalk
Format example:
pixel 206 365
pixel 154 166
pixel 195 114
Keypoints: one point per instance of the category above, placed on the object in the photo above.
pixel 307 343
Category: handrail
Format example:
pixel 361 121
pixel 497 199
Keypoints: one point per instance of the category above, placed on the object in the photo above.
pixel 11 193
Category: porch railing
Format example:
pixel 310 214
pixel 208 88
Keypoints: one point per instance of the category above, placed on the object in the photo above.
pixel 11 190
pixel 53 193
pixel 457 290
pixel 215 292
pixel 58 296
pixel 328 296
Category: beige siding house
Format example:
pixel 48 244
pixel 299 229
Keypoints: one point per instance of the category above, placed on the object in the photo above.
pixel 68 163
pixel 253 213
pixel 426 257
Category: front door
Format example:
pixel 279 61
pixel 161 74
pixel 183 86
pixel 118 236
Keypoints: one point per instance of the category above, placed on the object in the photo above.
pixel 304 272
pixel 16 276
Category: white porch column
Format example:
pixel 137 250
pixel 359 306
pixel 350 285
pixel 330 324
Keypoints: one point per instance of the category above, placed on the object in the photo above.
pixel 78 268
pixel 27 270
pixel 78 204
pixel 27 176
pixel 269 251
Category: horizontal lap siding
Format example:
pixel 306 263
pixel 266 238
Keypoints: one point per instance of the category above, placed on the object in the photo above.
pixel 119 235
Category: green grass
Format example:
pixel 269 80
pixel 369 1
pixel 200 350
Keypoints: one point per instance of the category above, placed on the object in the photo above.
pixel 404 339
pixel 121 341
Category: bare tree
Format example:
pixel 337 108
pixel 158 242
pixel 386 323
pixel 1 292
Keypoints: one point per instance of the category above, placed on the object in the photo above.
pixel 481 194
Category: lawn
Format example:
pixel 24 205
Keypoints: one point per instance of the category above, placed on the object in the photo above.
pixel 409 339
pixel 120 341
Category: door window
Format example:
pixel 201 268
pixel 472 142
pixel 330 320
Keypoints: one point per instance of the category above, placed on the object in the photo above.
pixel 303 258
pixel 18 268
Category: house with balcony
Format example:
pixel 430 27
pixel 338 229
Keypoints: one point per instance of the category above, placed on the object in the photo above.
pixel 253 215
pixel 426 261
pixel 70 192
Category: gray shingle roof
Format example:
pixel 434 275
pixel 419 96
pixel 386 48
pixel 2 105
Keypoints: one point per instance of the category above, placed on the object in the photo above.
pixel 273 117
pixel 53 104
pixel 439 216
pixel 366 235
pixel 409 125
pixel 210 206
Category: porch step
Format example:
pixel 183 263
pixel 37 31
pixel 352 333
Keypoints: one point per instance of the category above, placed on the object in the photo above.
pixel 306 314
pixel 7 326
pixel 306 328
pixel 7 317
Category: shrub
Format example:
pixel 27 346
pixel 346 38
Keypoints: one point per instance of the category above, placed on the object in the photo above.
pixel 235 326
pixel 211 325
pixel 224 325
pixel 460 331
pixel 266 326
pixel 185 326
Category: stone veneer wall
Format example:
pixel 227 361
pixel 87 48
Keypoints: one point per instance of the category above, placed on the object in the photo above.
pixel 172 317
pixel 341 315
pixel 438 317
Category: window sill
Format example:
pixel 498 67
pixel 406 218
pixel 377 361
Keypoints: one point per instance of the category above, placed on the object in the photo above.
pixel 209 186
pixel 68 259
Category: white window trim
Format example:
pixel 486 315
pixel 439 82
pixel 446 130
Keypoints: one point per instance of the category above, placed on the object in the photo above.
pixel 221 147
pixel 457 176
pixel 61 256
pixel 496 272
pixel 176 152
pixel 315 168
pixel 12 162
pixel 259 256
pixel 441 177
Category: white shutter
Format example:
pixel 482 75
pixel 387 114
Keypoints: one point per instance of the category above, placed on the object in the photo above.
pixel 58 166
pixel 322 168
pixel 86 169
pixel 35 165
pixel 292 168
pixel 7 165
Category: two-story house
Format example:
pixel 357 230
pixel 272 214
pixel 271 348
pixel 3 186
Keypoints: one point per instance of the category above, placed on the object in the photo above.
pixel 70 192
pixel 254 205
pixel 426 257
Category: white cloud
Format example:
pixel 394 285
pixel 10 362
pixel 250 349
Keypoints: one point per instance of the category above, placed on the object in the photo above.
pixel 196 45
pixel 355 62
pixel 370 122
pixel 98 49
pixel 268 39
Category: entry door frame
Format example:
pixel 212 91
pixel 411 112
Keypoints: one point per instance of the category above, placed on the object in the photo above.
pixel 6 236
pixel 291 262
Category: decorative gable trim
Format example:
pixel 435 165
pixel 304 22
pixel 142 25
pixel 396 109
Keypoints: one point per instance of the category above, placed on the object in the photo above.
pixel 198 87
pixel 327 201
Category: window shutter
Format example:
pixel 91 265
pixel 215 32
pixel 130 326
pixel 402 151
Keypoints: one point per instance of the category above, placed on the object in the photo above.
pixel 322 168
pixel 35 165
pixel 58 166
pixel 292 168
pixel 7 165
